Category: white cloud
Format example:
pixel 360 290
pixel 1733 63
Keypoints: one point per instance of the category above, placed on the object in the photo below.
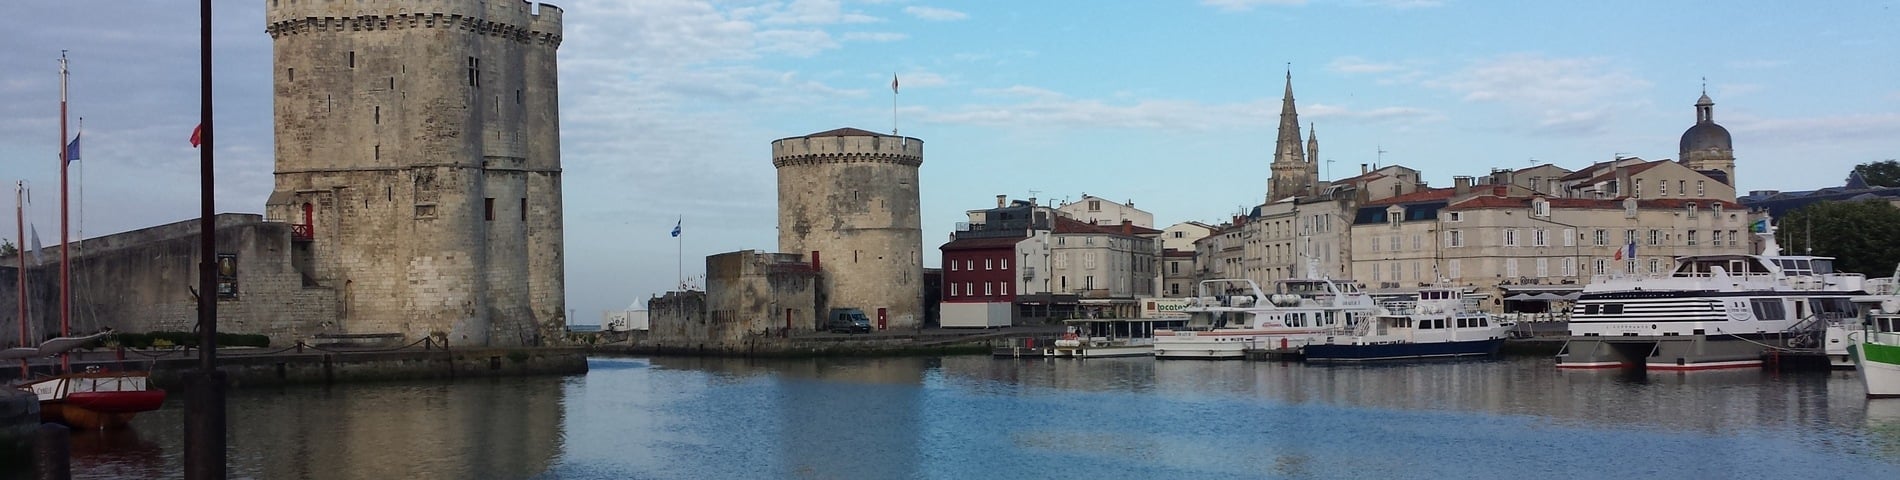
pixel 879 37
pixel 935 14
pixel 1321 111
pixel 805 12
pixel 797 43
pixel 1245 5
pixel 1834 128
pixel 1560 95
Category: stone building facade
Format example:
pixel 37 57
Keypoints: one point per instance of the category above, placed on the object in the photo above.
pixel 848 200
pixel 1102 211
pixel 758 294
pixel 418 155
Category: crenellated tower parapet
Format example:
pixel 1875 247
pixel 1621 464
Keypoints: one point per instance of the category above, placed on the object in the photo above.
pixel 522 21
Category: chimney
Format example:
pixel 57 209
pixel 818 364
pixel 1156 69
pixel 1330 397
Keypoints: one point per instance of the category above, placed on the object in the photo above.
pixel 1128 227
pixel 1002 201
pixel 1460 186
pixel 1364 169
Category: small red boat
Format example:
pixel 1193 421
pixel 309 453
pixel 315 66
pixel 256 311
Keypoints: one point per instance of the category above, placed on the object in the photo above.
pixel 95 399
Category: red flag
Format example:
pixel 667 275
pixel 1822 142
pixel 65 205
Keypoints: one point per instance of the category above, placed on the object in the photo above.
pixel 197 135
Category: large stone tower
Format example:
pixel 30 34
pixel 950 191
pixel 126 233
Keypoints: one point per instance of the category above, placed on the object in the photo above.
pixel 848 199
pixel 1293 172
pixel 418 153
pixel 1706 146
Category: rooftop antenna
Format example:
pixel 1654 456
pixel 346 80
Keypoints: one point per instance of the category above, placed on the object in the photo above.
pixel 1381 157
pixel 1329 168
pixel 1533 161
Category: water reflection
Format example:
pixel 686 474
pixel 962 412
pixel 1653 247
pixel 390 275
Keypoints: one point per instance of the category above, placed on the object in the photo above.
pixel 977 417
pixel 487 428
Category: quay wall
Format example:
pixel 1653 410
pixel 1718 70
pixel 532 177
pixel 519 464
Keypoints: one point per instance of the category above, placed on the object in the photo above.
pixel 320 367
pixel 847 345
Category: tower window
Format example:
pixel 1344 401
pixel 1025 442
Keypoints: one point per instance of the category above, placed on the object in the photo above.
pixel 517 96
pixel 488 209
pixel 474 72
pixel 352 59
pixel 392 83
pixel 378 155
pixel 292 73
pixel 379 115
pixel 524 209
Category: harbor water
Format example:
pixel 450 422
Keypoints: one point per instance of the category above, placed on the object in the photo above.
pixel 978 417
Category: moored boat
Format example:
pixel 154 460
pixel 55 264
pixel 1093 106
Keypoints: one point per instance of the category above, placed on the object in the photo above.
pixel 1441 323
pixel 1712 312
pixel 1235 316
pixel 95 399
pixel 1876 350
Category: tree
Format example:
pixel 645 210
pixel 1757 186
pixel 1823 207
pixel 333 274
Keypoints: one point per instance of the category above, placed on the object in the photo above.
pixel 7 249
pixel 1884 173
pixel 1862 236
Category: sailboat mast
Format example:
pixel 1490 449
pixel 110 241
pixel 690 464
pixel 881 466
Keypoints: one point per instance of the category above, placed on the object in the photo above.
pixel 19 219
pixel 65 244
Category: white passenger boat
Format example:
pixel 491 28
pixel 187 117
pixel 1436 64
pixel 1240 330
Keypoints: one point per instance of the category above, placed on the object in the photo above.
pixel 1441 323
pixel 1093 338
pixel 1714 311
pixel 1235 315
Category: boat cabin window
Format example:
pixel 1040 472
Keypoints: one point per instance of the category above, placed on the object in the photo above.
pixel 1887 324
pixel 1589 308
pixel 1431 324
pixel 1348 287
pixel 1769 309
pixel 1702 267
pixel 1464 322
pixel 1834 308
pixel 1613 309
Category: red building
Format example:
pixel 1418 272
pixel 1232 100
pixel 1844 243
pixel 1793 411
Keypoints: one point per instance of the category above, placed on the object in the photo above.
pixel 979 284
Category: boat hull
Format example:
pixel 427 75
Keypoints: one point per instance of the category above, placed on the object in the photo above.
pixel 1321 352
pixel 1879 368
pixel 95 400
pixel 1668 353
pixel 81 418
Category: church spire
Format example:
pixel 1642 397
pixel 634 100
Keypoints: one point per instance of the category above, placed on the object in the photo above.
pixel 1312 152
pixel 1292 174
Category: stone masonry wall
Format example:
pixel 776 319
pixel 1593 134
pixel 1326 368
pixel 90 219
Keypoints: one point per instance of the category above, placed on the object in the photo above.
pixel 852 197
pixel 419 141
pixel 144 280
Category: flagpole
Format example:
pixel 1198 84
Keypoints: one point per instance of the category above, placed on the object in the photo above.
pixel 679 253
pixel 65 274
pixel 19 218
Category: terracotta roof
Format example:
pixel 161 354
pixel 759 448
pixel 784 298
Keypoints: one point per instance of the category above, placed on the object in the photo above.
pixel 1601 203
pixel 981 243
pixel 1424 195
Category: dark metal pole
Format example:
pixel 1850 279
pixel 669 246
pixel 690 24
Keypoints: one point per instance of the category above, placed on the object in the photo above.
pixel 204 399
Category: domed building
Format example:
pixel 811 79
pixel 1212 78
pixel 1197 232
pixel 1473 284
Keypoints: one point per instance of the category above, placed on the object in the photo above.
pixel 1706 146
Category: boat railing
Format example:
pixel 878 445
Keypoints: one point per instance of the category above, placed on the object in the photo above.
pixel 1882 286
pixel 1400 307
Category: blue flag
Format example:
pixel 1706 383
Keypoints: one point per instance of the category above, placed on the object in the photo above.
pixel 72 150
pixel 676 228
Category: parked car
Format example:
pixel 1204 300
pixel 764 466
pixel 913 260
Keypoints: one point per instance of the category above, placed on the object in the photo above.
pixel 847 320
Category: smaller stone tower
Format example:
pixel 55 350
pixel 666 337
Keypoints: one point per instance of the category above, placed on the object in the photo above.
pixel 1706 146
pixel 1312 156
pixel 1292 174
pixel 848 200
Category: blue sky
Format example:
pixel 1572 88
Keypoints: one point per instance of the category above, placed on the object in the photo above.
pixel 669 106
